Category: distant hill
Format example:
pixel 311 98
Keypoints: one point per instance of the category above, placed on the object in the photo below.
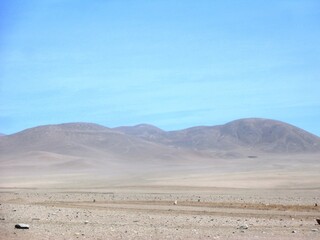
pixel 144 152
pixel 83 141
pixel 149 142
pixel 253 133
pixel 145 131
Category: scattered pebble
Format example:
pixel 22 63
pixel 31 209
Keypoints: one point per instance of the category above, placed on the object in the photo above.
pixel 245 226
pixel 22 226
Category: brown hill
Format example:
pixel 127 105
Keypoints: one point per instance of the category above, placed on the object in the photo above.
pixel 83 145
pixel 149 142
pixel 270 136
pixel 145 131
pixel 252 134
pixel 145 154
pixel 79 139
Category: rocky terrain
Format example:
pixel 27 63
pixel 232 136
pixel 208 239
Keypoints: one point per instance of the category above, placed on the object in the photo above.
pixel 159 213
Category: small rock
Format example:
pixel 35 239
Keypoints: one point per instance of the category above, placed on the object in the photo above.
pixel 175 202
pixel 245 226
pixel 316 204
pixel 86 222
pixel 35 219
pixel 314 230
pixel 21 226
pixel 294 231
pixel 318 220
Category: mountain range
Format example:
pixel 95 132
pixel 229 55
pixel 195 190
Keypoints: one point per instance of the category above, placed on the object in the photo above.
pixel 73 147
pixel 253 134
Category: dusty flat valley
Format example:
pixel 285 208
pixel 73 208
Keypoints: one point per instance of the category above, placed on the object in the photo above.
pixel 151 213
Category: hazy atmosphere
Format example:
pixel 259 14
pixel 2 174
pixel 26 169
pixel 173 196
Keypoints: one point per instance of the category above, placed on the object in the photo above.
pixel 174 64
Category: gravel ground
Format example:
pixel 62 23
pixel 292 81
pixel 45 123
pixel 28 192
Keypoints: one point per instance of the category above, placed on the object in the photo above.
pixel 150 213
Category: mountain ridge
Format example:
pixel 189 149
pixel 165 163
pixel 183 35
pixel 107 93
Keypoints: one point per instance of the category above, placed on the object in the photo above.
pixel 144 153
pixel 145 140
pixel 266 134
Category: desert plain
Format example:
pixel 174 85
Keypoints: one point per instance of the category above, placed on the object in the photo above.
pixel 85 182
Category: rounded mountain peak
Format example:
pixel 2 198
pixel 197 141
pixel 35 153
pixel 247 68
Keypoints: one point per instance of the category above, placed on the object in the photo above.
pixel 270 135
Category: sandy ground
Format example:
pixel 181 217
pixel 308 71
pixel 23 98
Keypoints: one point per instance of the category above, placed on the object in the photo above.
pixel 264 198
pixel 148 212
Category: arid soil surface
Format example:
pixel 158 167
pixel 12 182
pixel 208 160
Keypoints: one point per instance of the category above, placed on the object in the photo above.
pixel 149 212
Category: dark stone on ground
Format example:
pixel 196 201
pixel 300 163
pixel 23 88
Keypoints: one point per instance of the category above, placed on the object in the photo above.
pixel 21 226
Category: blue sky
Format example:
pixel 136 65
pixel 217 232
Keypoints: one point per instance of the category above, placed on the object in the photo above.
pixel 174 64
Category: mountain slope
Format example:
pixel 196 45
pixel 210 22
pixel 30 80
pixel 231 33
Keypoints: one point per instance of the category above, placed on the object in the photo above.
pixel 270 136
pixel 252 134
pixel 145 131
pixel 84 140
pixel 144 154
pixel 149 142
